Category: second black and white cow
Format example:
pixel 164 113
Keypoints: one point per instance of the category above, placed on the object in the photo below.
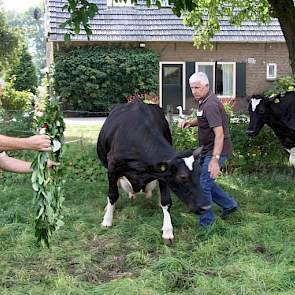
pixel 135 143
pixel 279 114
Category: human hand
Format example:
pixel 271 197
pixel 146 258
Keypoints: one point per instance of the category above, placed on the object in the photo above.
pixel 184 124
pixel 52 164
pixel 39 143
pixel 213 168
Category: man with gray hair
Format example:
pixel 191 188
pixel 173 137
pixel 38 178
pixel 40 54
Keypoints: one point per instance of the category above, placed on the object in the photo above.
pixel 213 135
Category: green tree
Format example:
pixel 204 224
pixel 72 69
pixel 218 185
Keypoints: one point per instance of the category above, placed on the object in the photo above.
pixel 32 30
pixel 9 41
pixel 204 16
pixel 22 73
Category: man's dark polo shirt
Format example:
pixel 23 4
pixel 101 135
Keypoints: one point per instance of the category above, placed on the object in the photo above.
pixel 211 114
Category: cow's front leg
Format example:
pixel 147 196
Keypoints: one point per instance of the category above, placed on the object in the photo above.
pixel 166 204
pixel 112 198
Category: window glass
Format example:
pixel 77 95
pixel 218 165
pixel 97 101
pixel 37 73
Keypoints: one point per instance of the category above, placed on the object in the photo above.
pixel 171 75
pixel 225 77
pixel 271 71
pixel 208 69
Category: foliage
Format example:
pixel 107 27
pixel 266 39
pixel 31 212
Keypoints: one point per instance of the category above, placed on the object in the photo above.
pixel 48 184
pixel 16 123
pixel 94 78
pixel 260 151
pixel 81 11
pixel 15 100
pixel 184 139
pixel 9 42
pixel 32 31
pixel 22 73
pixel 205 16
pixel 281 86
pixel 249 153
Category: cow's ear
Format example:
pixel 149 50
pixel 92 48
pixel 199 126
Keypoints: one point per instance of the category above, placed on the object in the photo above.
pixel 184 154
pixel 197 152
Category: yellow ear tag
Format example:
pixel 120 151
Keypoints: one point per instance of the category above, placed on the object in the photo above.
pixel 276 100
pixel 163 168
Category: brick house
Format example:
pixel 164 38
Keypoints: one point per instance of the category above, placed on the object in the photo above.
pixel 244 60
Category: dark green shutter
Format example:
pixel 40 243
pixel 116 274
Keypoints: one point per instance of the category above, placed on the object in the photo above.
pixel 241 79
pixel 189 70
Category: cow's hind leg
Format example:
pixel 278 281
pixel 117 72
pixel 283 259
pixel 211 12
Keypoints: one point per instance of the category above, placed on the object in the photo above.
pixel 149 189
pixel 112 198
pixel 166 204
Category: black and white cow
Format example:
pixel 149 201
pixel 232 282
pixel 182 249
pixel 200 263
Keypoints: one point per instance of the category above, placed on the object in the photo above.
pixel 279 114
pixel 135 143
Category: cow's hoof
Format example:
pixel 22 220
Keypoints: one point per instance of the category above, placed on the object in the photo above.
pixel 105 226
pixel 169 242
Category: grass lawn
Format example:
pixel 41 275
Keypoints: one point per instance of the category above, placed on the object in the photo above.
pixel 253 252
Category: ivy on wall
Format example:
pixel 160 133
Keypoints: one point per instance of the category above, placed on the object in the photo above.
pixel 95 78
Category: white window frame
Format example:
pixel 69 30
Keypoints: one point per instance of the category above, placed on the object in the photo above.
pixel 113 3
pixel 268 76
pixel 183 80
pixel 220 63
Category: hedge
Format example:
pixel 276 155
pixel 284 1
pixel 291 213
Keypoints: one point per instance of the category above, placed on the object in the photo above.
pixel 94 78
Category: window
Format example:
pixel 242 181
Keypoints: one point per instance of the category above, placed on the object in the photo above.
pixel 224 74
pixel 120 3
pixel 271 71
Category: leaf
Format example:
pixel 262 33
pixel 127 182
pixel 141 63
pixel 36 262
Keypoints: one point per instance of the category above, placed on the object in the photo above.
pixel 41 210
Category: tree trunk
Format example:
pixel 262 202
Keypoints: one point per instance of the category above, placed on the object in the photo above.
pixel 284 11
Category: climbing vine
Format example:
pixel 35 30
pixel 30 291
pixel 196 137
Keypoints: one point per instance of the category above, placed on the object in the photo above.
pixel 48 183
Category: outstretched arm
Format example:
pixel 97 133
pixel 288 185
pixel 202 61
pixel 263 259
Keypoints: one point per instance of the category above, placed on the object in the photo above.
pixel 36 142
pixel 19 166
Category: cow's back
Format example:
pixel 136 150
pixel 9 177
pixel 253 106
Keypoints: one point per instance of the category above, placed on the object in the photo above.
pixel 129 127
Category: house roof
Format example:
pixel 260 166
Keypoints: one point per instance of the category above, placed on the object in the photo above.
pixel 140 23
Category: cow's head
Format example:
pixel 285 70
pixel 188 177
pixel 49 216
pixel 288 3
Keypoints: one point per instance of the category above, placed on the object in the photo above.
pixel 258 114
pixel 182 174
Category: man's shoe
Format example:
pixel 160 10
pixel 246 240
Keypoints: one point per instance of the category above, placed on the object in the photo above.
pixel 226 212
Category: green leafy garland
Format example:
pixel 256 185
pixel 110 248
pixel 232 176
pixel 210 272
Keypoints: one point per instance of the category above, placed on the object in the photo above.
pixel 48 184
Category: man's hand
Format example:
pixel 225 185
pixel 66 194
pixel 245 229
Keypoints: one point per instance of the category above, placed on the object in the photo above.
pixel 213 168
pixel 39 143
pixel 184 124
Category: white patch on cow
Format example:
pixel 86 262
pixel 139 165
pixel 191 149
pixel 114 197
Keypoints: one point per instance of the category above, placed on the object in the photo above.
pixel 254 103
pixel 108 216
pixel 189 161
pixel 149 188
pixel 167 225
pixel 292 156
pixel 127 187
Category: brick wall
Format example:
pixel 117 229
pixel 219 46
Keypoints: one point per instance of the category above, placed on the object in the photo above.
pixel 262 53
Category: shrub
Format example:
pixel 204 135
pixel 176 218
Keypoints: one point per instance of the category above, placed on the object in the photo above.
pixel 249 153
pixel 15 100
pixel 16 123
pixel 22 73
pixel 94 78
pixel 281 86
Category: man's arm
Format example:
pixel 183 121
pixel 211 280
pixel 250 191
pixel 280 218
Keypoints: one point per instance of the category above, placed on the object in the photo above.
pixel 213 166
pixel 36 142
pixel 19 166
pixel 190 123
pixel 14 165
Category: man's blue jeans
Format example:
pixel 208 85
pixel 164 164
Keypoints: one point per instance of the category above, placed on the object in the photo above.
pixel 212 192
